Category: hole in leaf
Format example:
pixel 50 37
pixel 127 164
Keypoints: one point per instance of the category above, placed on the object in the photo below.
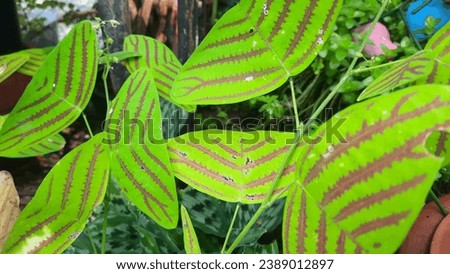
pixel 438 144
pixel 251 30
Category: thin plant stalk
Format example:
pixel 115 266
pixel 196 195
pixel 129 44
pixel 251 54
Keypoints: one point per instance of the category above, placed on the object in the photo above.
pixel 230 228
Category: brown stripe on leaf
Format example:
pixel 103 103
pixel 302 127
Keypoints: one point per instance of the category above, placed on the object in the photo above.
pixel 326 25
pixel 379 223
pixel 231 58
pixel 223 178
pixel 102 187
pixel 150 173
pixel 231 79
pixel 322 234
pixel 361 175
pixel 146 195
pixel 84 61
pixel 377 198
pixel 247 93
pixel 280 20
pixel 367 132
pixel 258 145
pixel 301 227
pixel 441 148
pixel 34 229
pixel 215 156
pixel 267 158
pixel 266 179
pixel 69 181
pixel 231 40
pixel 71 64
pixel 301 27
pixel 341 243
pixel 52 238
pixel 89 175
pixel 289 218
pixel 185 178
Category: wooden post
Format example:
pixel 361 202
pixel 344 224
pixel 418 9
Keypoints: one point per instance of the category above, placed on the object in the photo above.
pixel 188 35
pixel 117 10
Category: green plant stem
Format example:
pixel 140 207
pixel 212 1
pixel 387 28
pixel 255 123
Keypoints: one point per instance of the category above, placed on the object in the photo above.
pixel 105 85
pixel 268 199
pixel 438 203
pixel 215 5
pixel 91 239
pixel 230 228
pixel 356 71
pixel 87 124
pixel 105 219
pixel 294 104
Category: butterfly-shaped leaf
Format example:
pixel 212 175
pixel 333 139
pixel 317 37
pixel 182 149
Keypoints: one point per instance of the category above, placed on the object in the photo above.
pixel 11 63
pixel 9 206
pixel 189 236
pixel 60 209
pixel 363 195
pixel 254 48
pixel 159 58
pixel 56 95
pixel 140 160
pixel 233 166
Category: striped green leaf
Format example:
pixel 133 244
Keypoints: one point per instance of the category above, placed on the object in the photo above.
pixel 56 95
pixel 440 45
pixel 413 68
pixel 159 58
pixel 254 48
pixel 11 63
pixel 189 236
pixel 49 145
pixel 233 166
pixel 363 195
pixel 140 161
pixel 63 202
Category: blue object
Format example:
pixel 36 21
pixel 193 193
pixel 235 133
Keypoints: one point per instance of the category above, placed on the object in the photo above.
pixel 419 10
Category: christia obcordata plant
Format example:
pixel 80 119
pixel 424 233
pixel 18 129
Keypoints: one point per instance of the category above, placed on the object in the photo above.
pixel 358 191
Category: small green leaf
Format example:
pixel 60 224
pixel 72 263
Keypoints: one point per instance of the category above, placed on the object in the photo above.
pixel 190 238
pixel 116 57
pixel 410 70
pixel 233 166
pixel 363 195
pixel 56 95
pixel 140 160
pixel 157 57
pixel 60 209
pixel 254 48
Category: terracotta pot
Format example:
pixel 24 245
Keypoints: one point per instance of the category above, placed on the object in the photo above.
pixel 421 234
pixel 441 238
